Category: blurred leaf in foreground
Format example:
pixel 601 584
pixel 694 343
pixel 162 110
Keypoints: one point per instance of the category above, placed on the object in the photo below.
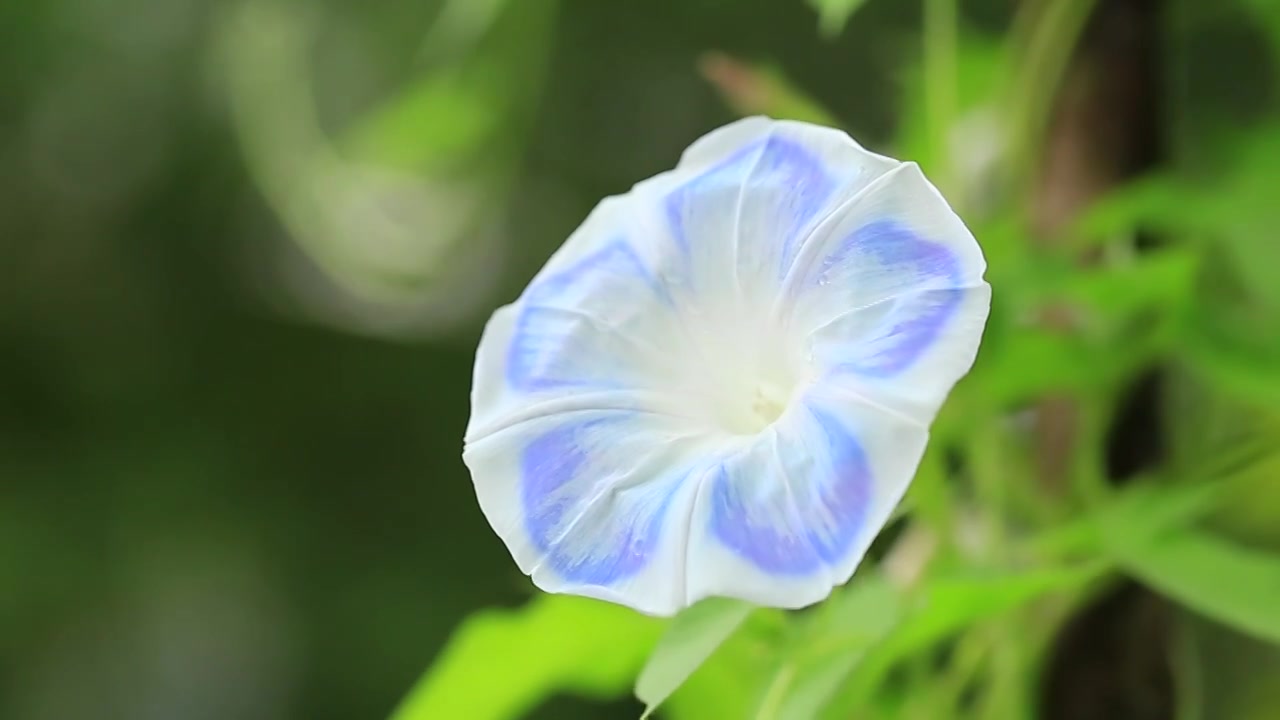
pixel 1233 584
pixel 460 25
pixel 501 664
pixel 833 15
pixel 845 627
pixel 380 214
pixel 440 122
pixel 944 607
pixel 690 639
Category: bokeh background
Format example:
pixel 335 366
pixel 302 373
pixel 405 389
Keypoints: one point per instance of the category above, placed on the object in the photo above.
pixel 247 247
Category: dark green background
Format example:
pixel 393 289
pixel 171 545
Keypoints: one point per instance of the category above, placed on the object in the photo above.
pixel 215 503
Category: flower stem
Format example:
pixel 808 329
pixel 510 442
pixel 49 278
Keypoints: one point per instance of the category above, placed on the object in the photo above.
pixel 1052 29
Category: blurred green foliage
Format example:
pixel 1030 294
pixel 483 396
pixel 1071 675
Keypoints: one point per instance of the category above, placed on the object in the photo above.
pixel 251 245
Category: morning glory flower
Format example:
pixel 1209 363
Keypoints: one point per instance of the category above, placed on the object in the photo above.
pixel 722 383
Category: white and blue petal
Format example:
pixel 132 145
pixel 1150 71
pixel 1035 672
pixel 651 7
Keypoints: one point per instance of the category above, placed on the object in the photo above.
pixel 745 198
pixel 577 327
pixel 594 502
pixel 721 384
pixel 792 513
pixel 595 319
pixel 890 294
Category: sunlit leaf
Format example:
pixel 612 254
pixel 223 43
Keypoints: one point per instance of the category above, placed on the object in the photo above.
pixel 465 111
pixel 734 676
pixel 833 15
pixel 1253 512
pixel 1151 203
pixel 1232 584
pixel 691 638
pixel 1150 510
pixel 1035 361
pixel 1235 210
pixel 459 25
pixel 946 606
pixel 850 623
pixel 1160 280
pixel 500 664
pixel 1229 339
pixel 952 603
pixel 358 216
pixel 444 119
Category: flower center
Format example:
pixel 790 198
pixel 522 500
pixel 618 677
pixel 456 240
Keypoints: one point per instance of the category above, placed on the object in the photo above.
pixel 751 389
pixel 747 408
pixel 737 373
pixel 770 401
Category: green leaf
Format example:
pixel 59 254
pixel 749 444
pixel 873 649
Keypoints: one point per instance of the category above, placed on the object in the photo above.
pixel 833 15
pixel 1159 280
pixel 692 637
pixel 1229 583
pixel 445 118
pixel 850 623
pixel 732 679
pixel 1241 363
pixel 1035 361
pixel 953 603
pixel 1151 510
pixel 1154 202
pixel 501 664
pixel 1252 513
pixel 460 25
pixel 946 606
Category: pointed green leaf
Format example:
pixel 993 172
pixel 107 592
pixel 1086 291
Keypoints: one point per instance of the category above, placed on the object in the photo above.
pixel 833 15
pixel 1232 584
pixel 953 603
pixel 732 679
pixel 687 643
pixel 946 606
pixel 851 622
pixel 501 664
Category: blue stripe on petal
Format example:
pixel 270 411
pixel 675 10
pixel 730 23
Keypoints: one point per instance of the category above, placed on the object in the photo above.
pixel 780 172
pixel 847 499
pixel 770 543
pixel 820 521
pixel 914 330
pixel 590 545
pixel 558 309
pixel 917 316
